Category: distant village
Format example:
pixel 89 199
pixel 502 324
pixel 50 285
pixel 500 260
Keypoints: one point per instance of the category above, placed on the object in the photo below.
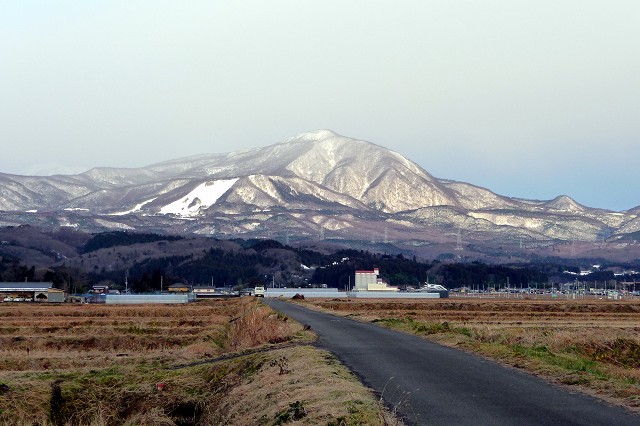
pixel 365 284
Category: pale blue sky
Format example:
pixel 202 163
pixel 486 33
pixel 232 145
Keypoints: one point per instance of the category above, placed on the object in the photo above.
pixel 527 98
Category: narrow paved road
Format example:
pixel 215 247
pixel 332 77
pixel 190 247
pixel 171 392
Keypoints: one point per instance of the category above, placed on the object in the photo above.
pixel 430 384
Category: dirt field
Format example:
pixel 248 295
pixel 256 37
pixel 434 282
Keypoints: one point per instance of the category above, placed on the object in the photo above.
pixel 212 362
pixel 589 345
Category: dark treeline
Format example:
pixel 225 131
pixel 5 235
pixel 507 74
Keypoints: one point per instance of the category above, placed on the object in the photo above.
pixel 12 270
pixel 121 238
pixel 225 268
pixel 222 268
pixel 490 276
pixel 69 279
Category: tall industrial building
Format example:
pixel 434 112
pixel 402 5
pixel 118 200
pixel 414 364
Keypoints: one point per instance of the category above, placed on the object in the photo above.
pixel 370 281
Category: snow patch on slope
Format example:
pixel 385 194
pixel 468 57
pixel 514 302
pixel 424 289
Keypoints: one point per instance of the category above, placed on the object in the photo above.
pixel 137 208
pixel 202 197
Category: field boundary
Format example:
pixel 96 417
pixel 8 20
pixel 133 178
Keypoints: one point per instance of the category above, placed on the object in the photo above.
pixel 241 354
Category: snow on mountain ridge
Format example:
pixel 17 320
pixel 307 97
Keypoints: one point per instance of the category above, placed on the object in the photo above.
pixel 474 197
pixel 263 192
pixel 361 170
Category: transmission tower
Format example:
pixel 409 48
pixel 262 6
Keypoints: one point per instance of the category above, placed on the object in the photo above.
pixel 458 236
pixel 459 239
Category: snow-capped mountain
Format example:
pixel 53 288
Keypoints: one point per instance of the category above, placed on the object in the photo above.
pixel 316 185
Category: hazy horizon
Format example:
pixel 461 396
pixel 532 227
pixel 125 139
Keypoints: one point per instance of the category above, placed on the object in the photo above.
pixel 528 99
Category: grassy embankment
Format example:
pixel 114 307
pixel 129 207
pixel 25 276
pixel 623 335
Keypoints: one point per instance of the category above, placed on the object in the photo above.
pixel 214 362
pixel 592 346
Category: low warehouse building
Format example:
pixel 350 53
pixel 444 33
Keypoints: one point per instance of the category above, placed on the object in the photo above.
pixel 204 291
pixel 288 293
pixel 54 296
pixel 141 299
pixel 30 292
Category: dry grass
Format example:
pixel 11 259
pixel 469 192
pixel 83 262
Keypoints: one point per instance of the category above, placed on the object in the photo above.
pixel 256 324
pixel 286 378
pixel 100 365
pixel 590 345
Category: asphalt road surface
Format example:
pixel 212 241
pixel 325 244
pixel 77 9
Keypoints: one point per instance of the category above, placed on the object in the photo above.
pixel 429 384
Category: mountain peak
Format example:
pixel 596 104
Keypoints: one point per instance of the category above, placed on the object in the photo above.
pixel 324 137
pixel 316 135
pixel 564 202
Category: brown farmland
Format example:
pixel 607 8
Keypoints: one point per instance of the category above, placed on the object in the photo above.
pixel 213 362
pixel 589 345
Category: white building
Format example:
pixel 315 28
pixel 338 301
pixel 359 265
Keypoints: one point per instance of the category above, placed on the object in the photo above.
pixel 370 281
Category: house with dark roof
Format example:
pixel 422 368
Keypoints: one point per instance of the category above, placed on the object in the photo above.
pixel 178 288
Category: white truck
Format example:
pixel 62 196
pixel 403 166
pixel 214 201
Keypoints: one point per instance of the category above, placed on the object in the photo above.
pixel 258 291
